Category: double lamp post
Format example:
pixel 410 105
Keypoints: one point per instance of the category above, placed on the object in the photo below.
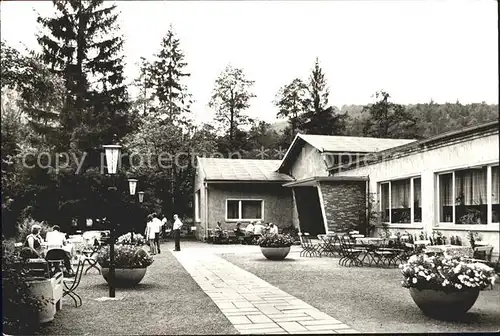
pixel 113 155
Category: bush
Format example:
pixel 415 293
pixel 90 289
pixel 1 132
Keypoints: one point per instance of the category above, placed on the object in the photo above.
pixel 126 256
pixel 20 308
pixel 275 240
pixel 24 228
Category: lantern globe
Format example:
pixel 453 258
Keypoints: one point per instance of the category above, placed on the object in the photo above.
pixel 141 196
pixel 113 153
pixel 132 185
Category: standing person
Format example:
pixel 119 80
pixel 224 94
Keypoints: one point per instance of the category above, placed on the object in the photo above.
pixel 177 232
pixel 163 226
pixel 150 234
pixel 157 225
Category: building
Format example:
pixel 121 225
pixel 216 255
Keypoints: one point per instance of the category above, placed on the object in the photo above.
pixel 448 183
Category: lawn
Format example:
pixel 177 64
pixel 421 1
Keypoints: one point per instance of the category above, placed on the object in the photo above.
pixel 167 301
pixel 369 299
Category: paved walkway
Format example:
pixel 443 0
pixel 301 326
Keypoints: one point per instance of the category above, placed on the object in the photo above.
pixel 251 304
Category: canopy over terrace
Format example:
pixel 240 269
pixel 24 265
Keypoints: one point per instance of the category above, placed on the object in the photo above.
pixel 330 203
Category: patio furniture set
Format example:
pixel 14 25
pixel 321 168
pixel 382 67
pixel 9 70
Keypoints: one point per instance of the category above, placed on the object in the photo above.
pixel 354 249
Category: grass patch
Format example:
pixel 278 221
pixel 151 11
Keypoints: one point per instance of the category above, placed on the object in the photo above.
pixel 369 299
pixel 166 302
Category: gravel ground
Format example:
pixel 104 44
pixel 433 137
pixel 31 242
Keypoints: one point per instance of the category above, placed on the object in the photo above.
pixel 166 302
pixel 369 299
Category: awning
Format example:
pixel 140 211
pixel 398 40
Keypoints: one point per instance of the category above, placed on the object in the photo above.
pixel 313 181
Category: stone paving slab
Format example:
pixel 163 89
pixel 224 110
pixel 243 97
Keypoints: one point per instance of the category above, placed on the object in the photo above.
pixel 251 304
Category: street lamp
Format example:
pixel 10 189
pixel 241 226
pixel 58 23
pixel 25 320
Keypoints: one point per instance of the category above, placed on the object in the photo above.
pixel 132 185
pixel 141 196
pixel 112 153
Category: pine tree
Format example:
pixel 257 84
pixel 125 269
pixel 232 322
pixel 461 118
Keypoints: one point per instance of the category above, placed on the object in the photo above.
pixel 321 118
pixel 166 74
pixel 80 43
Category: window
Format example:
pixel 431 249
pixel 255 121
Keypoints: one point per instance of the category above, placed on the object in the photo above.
pixel 197 205
pixel 244 209
pixel 463 196
pixel 399 204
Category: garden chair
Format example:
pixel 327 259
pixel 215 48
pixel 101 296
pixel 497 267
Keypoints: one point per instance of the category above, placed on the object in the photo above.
pixel 90 257
pixel 71 284
pixel 308 249
pixel 331 244
pixel 349 253
pixel 483 252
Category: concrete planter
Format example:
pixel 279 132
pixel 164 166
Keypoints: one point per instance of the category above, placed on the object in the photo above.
pixel 444 305
pixel 42 289
pixel 125 277
pixel 275 253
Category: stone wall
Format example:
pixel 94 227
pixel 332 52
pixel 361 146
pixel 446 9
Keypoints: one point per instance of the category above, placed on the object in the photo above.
pixel 344 204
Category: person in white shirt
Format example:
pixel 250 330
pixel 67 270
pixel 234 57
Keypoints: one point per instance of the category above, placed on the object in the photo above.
pixel 249 228
pixel 273 228
pixel 258 229
pixel 150 234
pixel 55 242
pixel 177 232
pixel 157 224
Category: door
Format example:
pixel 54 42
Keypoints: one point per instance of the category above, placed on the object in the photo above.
pixel 309 210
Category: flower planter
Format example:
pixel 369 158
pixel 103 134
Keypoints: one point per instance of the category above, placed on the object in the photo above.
pixel 444 305
pixel 125 277
pixel 42 289
pixel 275 253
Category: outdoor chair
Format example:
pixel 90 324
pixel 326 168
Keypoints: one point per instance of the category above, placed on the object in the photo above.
pixel 331 244
pixel 349 253
pixel 308 248
pixel 71 284
pixel 90 257
pixel 483 252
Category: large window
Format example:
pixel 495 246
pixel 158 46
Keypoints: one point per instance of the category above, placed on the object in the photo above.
pixel 469 196
pixel 244 209
pixel 400 201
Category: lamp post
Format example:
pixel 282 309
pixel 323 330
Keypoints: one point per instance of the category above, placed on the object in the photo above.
pixel 112 156
pixel 132 186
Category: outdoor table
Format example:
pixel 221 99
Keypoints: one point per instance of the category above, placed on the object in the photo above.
pixel 370 241
pixel 451 250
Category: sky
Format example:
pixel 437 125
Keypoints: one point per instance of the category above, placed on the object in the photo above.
pixel 415 50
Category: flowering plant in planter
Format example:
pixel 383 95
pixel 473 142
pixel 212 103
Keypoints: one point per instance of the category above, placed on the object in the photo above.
pixel 445 273
pixel 275 240
pixel 126 239
pixel 126 256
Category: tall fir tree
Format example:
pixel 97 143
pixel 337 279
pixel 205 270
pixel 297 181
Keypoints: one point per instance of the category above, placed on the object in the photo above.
pixel 166 73
pixel 321 118
pixel 80 42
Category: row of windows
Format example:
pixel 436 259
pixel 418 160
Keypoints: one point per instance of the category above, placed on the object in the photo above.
pixel 236 209
pixel 462 196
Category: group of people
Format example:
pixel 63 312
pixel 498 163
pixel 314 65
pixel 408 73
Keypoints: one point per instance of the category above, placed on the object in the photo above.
pixel 54 240
pixel 155 226
pixel 252 231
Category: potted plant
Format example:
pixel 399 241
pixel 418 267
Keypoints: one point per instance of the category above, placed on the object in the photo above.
pixel 131 262
pixel 445 287
pixel 275 246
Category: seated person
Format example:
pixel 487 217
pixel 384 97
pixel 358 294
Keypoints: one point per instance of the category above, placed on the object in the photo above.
pixel 34 242
pixel 218 232
pixel 273 228
pixel 238 232
pixel 249 229
pixel 258 229
pixel 55 241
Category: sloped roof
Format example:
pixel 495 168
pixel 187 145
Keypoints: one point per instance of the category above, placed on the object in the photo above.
pixel 340 144
pixel 334 143
pixel 218 169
